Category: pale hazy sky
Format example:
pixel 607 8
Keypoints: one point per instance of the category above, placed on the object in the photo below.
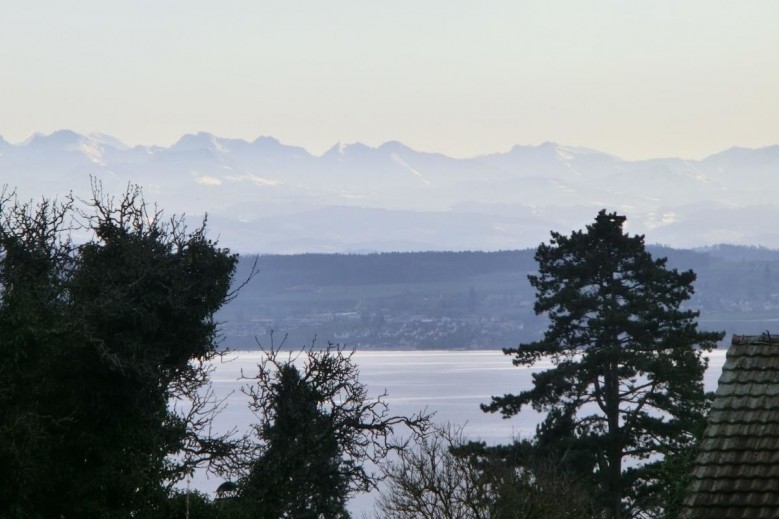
pixel 635 78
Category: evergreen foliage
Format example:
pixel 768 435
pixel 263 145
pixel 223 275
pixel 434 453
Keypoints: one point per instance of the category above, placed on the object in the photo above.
pixel 626 381
pixel 104 403
pixel 298 474
pixel 97 339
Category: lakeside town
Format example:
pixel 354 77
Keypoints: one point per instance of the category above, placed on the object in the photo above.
pixel 485 304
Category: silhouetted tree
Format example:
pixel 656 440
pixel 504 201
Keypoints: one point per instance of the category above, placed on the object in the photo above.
pixel 627 358
pixel 318 429
pixel 98 338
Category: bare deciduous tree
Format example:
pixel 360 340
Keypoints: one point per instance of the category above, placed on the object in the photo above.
pixel 443 476
pixel 320 434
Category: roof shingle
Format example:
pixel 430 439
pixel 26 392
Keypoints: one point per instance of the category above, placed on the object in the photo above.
pixel 736 473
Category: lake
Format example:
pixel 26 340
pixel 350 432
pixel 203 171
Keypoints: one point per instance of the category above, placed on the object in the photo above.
pixel 450 383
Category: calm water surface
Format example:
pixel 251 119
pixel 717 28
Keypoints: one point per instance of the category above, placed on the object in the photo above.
pixel 450 383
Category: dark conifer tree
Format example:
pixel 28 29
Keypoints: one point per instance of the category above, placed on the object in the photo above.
pixel 298 475
pixel 627 360
pixel 98 339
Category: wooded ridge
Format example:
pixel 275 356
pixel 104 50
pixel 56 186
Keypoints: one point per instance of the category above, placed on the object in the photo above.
pixel 459 300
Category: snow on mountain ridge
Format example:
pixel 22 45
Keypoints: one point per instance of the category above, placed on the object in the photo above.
pixel 398 159
pixel 109 141
pixel 247 185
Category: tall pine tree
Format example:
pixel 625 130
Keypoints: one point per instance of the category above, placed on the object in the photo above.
pixel 627 363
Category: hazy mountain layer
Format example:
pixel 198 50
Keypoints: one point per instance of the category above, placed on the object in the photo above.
pixel 265 196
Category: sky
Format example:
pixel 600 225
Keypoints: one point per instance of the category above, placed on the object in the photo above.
pixel 638 79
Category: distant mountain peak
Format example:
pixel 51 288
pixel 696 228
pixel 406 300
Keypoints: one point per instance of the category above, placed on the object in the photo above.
pixel 109 141
pixel 201 141
pixel 513 197
pixel 737 151
pixel 58 139
pixel 266 139
pixel 198 138
pixel 66 141
pixel 272 144
pixel 341 149
pixel 395 146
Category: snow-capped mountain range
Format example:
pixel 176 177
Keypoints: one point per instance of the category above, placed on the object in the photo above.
pixel 268 197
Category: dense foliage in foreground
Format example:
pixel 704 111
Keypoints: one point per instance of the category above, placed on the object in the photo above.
pixel 105 406
pixel 104 385
pixel 97 339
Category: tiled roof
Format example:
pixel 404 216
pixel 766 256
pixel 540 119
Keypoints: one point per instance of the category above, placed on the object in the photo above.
pixel 736 473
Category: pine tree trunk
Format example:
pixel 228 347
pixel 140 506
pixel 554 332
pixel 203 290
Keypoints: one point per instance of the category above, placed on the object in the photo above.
pixel 614 448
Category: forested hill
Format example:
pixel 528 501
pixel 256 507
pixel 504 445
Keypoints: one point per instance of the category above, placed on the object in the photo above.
pixel 456 300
